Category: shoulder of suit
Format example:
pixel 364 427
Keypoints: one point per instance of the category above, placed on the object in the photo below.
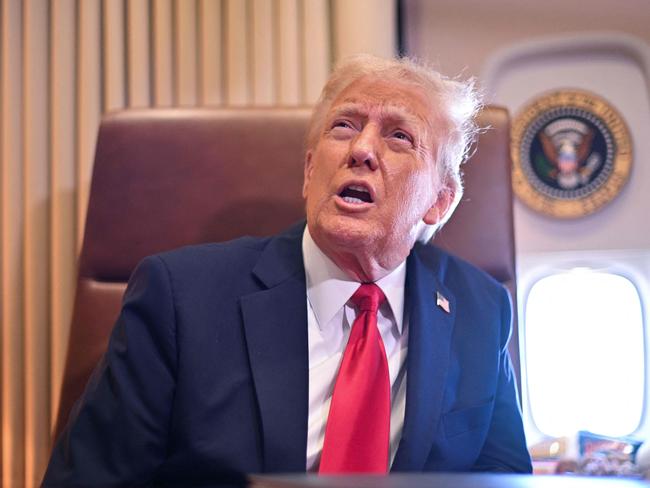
pixel 449 267
pixel 236 253
pixel 228 266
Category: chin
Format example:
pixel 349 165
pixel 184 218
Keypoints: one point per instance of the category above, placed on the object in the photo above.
pixel 343 231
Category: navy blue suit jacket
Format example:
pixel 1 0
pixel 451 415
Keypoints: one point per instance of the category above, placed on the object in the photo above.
pixel 207 371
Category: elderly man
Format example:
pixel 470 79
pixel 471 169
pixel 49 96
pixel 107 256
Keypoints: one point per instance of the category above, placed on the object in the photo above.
pixel 343 346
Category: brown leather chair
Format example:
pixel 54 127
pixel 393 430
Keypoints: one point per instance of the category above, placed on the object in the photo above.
pixel 167 178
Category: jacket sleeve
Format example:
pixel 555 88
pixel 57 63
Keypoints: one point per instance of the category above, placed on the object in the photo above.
pixel 505 447
pixel 117 432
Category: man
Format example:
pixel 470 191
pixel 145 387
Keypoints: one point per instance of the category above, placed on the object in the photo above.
pixel 341 346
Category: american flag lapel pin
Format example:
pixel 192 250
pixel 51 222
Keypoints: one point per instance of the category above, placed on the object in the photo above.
pixel 442 302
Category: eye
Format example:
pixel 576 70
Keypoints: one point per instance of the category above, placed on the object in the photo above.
pixel 403 136
pixel 344 124
pixel 342 129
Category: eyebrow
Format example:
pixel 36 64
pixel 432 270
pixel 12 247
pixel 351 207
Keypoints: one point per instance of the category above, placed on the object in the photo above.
pixel 388 111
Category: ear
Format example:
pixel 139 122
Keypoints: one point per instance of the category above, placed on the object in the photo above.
pixel 309 165
pixel 440 207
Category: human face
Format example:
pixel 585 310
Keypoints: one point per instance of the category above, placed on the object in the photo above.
pixel 371 181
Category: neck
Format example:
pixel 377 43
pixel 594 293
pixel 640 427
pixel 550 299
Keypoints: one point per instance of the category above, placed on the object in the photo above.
pixel 363 264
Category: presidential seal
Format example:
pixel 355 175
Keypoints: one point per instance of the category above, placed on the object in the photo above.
pixel 571 153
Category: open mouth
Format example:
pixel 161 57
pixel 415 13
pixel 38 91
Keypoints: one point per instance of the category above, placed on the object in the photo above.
pixel 356 194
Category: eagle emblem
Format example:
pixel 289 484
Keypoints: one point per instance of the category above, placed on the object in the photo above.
pixel 567 145
pixel 571 153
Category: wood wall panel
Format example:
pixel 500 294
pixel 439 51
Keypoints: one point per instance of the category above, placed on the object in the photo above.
pixel 11 255
pixel 262 42
pixel 288 53
pixel 210 52
pixel 89 105
pixel 63 186
pixel 236 43
pixel 317 52
pixel 37 231
pixel 185 46
pixel 113 65
pixel 162 53
pixel 366 26
pixel 137 52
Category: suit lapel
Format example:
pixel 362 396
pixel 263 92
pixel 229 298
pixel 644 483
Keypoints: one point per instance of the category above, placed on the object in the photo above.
pixel 275 324
pixel 430 332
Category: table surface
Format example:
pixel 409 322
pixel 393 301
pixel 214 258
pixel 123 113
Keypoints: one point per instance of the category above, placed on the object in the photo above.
pixel 443 480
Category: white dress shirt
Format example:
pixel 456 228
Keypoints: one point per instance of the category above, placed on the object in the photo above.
pixel 330 316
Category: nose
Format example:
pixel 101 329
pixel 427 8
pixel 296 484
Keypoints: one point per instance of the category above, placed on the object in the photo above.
pixel 365 147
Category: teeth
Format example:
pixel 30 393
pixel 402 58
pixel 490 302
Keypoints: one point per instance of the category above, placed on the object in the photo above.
pixel 353 200
pixel 358 188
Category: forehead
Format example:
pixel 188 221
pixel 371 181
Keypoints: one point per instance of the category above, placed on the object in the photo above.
pixel 390 97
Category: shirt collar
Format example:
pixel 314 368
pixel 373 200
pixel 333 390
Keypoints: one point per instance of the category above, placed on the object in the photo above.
pixel 329 287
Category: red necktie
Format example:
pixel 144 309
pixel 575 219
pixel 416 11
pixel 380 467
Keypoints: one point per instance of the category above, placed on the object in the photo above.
pixel 358 426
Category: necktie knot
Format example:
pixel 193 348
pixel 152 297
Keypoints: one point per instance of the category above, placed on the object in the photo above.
pixel 368 297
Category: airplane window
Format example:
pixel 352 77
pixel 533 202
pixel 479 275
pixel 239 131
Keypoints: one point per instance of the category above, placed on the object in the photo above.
pixel 584 353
